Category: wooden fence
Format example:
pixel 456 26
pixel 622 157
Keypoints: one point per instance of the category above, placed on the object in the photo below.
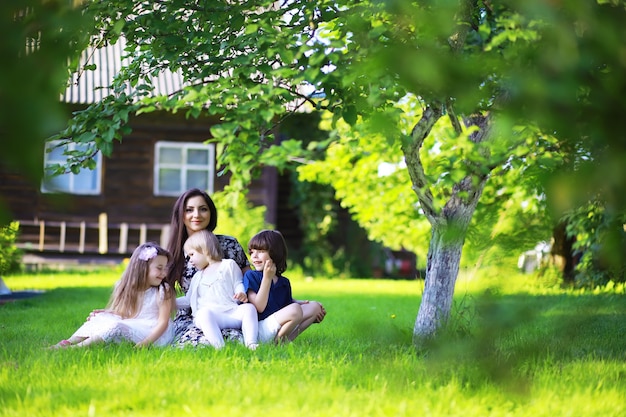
pixel 83 237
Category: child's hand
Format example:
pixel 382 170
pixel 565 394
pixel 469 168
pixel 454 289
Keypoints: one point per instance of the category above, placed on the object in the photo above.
pixel 269 269
pixel 322 311
pixel 241 297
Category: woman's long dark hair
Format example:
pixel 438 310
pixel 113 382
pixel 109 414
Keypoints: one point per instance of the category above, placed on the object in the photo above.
pixel 178 232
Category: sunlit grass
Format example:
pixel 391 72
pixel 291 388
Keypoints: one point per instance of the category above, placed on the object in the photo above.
pixel 517 350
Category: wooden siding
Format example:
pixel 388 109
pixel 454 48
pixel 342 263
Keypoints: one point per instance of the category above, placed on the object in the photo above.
pixel 127 189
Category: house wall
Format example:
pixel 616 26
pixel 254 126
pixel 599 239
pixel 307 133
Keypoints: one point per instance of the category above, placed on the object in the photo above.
pixel 127 182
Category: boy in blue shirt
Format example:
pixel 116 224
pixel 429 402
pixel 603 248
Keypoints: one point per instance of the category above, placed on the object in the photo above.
pixel 281 318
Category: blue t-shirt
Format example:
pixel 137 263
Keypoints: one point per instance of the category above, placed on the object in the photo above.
pixel 280 292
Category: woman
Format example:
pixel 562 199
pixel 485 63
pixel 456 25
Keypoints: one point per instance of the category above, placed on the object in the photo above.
pixel 193 211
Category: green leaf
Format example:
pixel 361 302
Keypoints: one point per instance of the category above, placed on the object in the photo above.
pixel 118 26
pixel 86 137
pixel 251 28
pixel 349 114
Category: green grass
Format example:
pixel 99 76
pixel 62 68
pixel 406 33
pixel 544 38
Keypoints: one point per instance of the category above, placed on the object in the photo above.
pixel 517 350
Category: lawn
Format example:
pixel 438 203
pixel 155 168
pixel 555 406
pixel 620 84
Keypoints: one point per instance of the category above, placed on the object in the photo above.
pixel 518 349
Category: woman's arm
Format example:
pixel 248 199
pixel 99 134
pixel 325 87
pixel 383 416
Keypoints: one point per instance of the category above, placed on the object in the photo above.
pixel 182 302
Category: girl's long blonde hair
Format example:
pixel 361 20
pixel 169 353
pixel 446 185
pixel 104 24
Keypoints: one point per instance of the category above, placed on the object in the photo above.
pixel 127 295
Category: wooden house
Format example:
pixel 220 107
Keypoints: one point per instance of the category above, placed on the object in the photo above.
pixel 128 198
pixel 104 214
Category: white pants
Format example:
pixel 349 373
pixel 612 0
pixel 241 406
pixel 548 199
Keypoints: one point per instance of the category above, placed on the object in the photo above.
pixel 243 317
pixel 268 329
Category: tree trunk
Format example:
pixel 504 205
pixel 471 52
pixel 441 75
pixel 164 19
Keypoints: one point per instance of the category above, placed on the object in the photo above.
pixel 449 223
pixel 444 257
pixel 562 252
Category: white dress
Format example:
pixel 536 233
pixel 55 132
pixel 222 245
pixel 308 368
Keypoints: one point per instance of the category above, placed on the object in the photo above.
pixel 112 328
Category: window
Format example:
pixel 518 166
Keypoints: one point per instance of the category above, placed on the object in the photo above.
pixel 180 166
pixel 86 182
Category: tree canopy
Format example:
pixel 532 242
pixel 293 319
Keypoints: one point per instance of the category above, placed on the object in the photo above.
pixel 550 63
pixel 463 93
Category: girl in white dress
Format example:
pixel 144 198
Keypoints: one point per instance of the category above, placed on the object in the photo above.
pixel 216 294
pixel 140 307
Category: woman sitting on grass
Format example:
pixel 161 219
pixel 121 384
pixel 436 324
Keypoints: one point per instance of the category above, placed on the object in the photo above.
pixel 140 307
pixel 194 211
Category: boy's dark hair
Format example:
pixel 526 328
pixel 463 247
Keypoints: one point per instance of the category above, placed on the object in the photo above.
pixel 273 242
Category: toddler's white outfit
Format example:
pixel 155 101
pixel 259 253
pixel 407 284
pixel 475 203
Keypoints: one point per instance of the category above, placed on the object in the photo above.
pixel 213 307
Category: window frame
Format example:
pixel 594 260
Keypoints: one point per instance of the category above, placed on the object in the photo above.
pixel 97 172
pixel 183 166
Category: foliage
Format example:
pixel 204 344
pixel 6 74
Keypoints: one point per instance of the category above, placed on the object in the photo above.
pixel 10 255
pixel 600 242
pixel 575 92
pixel 212 46
pixel 39 40
pixel 381 202
pixel 547 352
pixel 237 217
pixel 511 215
pixel 332 244
pixel 246 66
pixel 483 84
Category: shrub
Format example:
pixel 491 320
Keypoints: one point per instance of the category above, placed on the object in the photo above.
pixel 10 255
pixel 237 217
pixel 600 242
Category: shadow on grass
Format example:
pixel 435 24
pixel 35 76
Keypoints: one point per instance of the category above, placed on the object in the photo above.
pixel 510 337
pixel 500 332
pixel 502 339
pixel 18 295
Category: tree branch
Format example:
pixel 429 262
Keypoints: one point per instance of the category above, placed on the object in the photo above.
pixel 467 192
pixel 453 117
pixel 411 151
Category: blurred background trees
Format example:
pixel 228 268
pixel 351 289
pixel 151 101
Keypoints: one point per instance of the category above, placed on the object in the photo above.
pixel 41 44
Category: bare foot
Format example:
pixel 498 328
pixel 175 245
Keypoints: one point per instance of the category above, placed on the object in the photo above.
pixel 61 345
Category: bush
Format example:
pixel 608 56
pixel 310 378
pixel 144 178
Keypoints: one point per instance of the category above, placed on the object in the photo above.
pixel 237 217
pixel 600 241
pixel 10 255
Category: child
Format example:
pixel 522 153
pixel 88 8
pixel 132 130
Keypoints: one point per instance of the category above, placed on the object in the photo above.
pixel 216 294
pixel 281 318
pixel 140 306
